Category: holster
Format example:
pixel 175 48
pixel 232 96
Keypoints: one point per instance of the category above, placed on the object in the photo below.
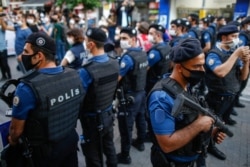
pixel 158 158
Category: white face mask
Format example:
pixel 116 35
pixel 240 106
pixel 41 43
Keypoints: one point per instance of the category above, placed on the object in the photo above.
pixel 46 19
pixel 248 27
pixel 117 31
pixel 70 41
pixel 30 21
pixel 71 21
pixel 201 26
pixel 19 22
pixel 151 39
pixel 124 44
pixel 234 44
pixel 172 32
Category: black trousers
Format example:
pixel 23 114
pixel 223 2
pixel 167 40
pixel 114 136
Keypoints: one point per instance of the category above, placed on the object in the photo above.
pixel 222 105
pixel 92 147
pixel 5 69
pixel 135 113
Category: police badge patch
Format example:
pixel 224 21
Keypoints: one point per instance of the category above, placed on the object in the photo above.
pixel 40 41
pixel 211 62
pixel 122 65
pixel 152 55
pixel 16 101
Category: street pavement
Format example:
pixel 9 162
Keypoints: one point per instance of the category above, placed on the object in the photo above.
pixel 236 148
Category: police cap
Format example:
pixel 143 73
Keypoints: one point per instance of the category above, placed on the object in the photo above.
pixel 233 23
pixel 97 34
pixel 129 30
pixel 246 21
pixel 187 49
pixel 157 27
pixel 227 29
pixel 42 40
pixel 177 22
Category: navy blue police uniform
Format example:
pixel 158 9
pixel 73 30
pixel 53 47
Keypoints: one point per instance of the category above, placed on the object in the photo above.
pixel 133 69
pixel 99 78
pixel 78 51
pixel 50 109
pixel 160 102
pixel 222 91
pixel 158 60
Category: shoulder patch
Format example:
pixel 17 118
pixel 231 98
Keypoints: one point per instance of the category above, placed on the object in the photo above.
pixel 151 55
pixel 211 62
pixel 16 101
pixel 122 65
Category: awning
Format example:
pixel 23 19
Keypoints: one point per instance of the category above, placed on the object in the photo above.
pixel 34 3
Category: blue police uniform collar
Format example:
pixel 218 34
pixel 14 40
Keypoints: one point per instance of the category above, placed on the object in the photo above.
pixel 134 49
pixel 99 57
pixel 225 51
pixel 53 70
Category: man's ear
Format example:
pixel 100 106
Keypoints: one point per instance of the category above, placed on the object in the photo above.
pixel 40 55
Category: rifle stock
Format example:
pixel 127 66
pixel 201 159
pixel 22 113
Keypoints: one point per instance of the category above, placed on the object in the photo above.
pixel 182 100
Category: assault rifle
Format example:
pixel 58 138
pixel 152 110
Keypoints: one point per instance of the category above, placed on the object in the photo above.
pixel 182 100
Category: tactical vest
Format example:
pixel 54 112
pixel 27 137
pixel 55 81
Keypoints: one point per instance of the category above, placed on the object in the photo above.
pixel 187 117
pixel 58 103
pixel 197 32
pixel 78 51
pixel 163 66
pixel 212 38
pixel 101 91
pixel 228 84
pixel 174 40
pixel 247 36
pixel 135 80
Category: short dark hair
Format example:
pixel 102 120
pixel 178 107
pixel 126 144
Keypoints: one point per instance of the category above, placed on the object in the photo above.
pixel 48 55
pixel 194 17
pixel 97 43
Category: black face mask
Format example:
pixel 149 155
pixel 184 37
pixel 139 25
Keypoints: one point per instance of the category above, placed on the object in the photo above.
pixel 195 76
pixel 26 59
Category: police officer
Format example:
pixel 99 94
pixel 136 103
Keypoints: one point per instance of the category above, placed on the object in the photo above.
pixel 99 78
pixel 206 35
pixel 45 109
pixel 132 78
pixel 75 55
pixel 194 31
pixel 175 137
pixel 226 66
pixel 244 37
pixel 178 25
pixel 158 56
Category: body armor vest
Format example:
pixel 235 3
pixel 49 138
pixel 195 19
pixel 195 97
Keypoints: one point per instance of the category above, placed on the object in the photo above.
pixel 163 66
pixel 58 103
pixel 78 51
pixel 228 84
pixel 101 91
pixel 197 32
pixel 135 80
pixel 185 118
pixel 174 40
pixel 212 38
pixel 247 36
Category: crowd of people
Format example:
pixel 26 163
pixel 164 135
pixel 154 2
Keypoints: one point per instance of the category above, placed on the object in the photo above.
pixel 134 72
